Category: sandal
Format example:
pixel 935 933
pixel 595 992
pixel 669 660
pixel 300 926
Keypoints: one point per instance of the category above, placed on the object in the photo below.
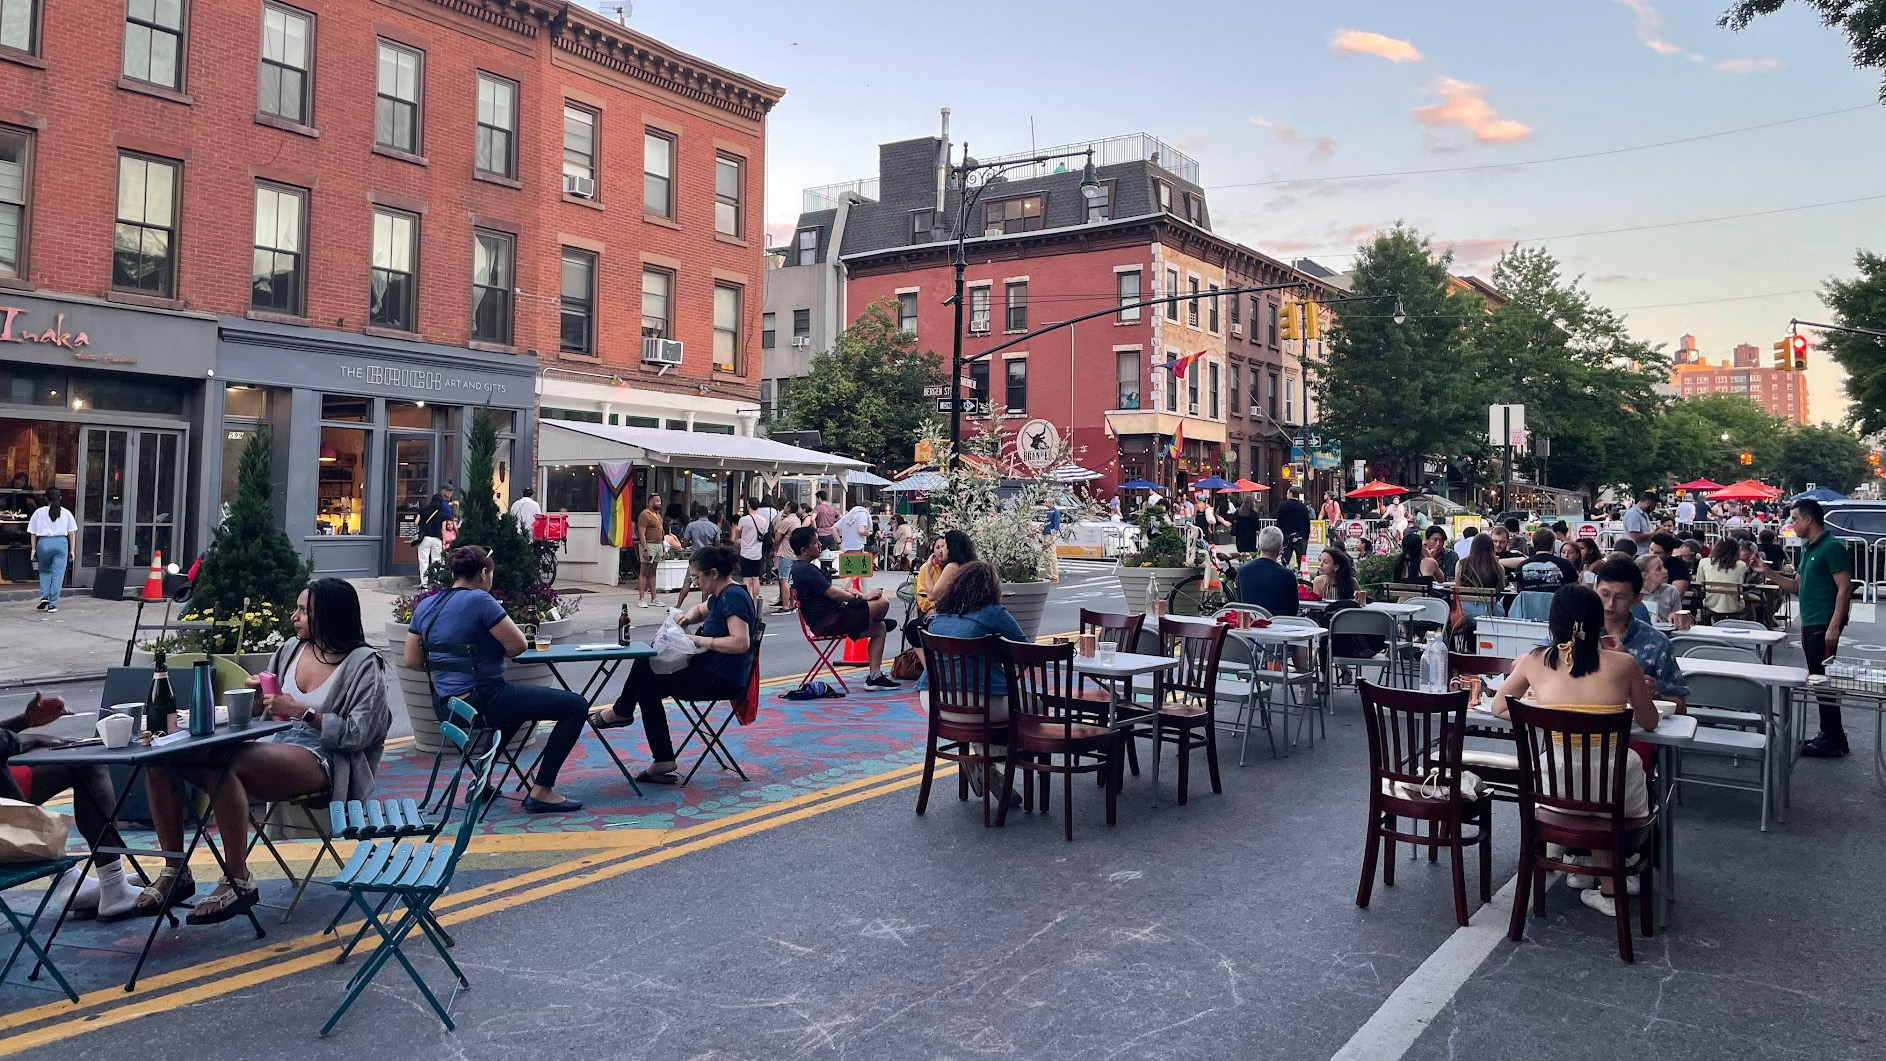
pixel 596 719
pixel 230 899
pixel 650 777
pixel 150 902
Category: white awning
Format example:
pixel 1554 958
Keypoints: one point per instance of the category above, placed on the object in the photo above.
pixel 578 442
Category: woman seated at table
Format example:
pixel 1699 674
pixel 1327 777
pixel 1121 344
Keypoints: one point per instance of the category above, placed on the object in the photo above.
pixel 720 671
pixel 1721 576
pixel 1590 559
pixel 970 606
pixel 948 554
pixel 1336 577
pixel 1417 564
pixel 333 695
pixel 1659 599
pixel 1481 571
pixel 108 896
pixel 466 614
pixel 1574 672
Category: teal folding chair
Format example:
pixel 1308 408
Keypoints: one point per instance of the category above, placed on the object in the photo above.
pixel 14 874
pixel 418 875
pixel 459 659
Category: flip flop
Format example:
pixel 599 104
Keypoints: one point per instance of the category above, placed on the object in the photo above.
pixel 596 720
pixel 647 777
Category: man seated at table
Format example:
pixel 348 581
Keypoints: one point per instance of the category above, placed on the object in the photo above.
pixel 1265 581
pixel 1620 587
pixel 829 611
pixel 1540 576
pixel 110 896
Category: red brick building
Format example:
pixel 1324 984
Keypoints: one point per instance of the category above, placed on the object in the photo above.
pixel 356 221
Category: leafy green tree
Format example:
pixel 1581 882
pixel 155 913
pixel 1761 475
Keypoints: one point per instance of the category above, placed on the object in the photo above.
pixel 249 556
pixel 1401 392
pixel 1863 21
pixel 515 579
pixel 1861 303
pixel 1706 435
pixel 1828 456
pixel 865 394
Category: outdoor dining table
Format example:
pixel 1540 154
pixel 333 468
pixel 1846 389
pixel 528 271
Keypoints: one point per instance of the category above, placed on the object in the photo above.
pixel 215 751
pixel 1284 637
pixel 1672 733
pixel 608 658
pixel 1119 673
pixel 1763 641
pixel 1782 735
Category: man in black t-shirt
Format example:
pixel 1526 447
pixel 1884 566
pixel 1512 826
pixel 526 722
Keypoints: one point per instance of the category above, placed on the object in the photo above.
pixel 829 611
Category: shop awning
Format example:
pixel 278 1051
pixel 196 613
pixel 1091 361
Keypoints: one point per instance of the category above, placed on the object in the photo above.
pixel 577 442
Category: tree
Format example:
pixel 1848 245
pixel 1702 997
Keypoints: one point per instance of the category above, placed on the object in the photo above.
pixel 865 394
pixel 515 578
pixel 249 556
pixel 1691 442
pixel 1824 455
pixel 1404 391
pixel 1861 303
pixel 1863 21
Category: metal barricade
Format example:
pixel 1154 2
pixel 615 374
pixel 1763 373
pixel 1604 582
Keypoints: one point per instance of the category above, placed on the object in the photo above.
pixel 1877 583
pixel 1860 563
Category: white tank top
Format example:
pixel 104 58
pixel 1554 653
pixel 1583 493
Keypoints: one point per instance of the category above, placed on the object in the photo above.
pixel 316 697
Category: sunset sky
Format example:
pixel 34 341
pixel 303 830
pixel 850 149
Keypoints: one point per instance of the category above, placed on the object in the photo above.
pixel 1337 96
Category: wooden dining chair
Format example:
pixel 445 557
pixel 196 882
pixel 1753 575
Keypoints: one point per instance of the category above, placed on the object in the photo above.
pixel 1048 722
pixel 963 723
pixel 1186 696
pixel 1498 767
pixel 1415 774
pixel 1571 793
pixel 1123 629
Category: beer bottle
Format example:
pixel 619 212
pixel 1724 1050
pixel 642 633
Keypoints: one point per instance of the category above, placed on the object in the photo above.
pixel 623 622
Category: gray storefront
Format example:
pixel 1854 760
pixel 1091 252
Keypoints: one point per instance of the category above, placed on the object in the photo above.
pixel 107 403
pixel 366 430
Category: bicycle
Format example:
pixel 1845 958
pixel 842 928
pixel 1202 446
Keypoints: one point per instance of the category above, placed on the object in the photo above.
pixel 547 550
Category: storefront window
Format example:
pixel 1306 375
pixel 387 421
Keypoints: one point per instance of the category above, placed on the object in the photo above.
pixel 29 385
pixel 572 487
pixel 409 414
pixel 142 395
pixel 245 403
pixel 343 480
pixel 345 408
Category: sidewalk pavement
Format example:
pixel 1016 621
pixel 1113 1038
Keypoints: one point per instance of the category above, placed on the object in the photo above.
pixel 87 635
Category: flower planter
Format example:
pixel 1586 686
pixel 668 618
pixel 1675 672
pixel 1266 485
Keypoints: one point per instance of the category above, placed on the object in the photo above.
pixel 1135 581
pixel 669 575
pixel 1026 601
pixel 416 690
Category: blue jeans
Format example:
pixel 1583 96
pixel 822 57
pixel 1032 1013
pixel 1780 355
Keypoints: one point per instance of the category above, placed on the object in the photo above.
pixel 508 707
pixel 52 554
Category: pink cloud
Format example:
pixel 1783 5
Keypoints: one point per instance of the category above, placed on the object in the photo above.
pixel 1289 246
pixel 1647 23
pixel 1472 255
pixel 1464 107
pixel 1359 42
pixel 1748 66
pixel 1320 147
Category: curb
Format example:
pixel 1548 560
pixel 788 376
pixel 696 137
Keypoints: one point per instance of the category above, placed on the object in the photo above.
pixel 56 679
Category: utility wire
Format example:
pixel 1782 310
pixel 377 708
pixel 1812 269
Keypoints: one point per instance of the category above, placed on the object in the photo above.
pixel 1543 161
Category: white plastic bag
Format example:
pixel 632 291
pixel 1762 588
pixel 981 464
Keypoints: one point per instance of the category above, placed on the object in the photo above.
pixel 672 645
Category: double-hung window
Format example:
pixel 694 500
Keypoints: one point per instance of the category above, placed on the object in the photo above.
pixel 491 286
pixel 729 200
pixel 276 280
pixel 576 328
pixel 287 62
pixel 497 126
pixel 153 42
pixel 395 265
pixel 144 240
pixel 396 115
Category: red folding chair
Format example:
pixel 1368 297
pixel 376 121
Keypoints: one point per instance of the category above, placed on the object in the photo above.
pixel 823 647
pixel 712 736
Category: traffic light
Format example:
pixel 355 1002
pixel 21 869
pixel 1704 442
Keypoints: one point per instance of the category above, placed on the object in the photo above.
pixel 1797 345
pixel 1746 458
pixel 1288 471
pixel 1312 325
pixel 1873 459
pixel 1783 356
pixel 1287 325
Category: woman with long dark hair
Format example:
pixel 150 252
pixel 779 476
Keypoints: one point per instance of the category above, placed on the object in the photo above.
pixel 1481 570
pixel 1575 672
pixel 1336 576
pixel 333 694
pixel 1415 564
pixel 951 550
pixel 54 532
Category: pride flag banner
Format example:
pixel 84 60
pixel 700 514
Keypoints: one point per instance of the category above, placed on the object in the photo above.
pixel 613 491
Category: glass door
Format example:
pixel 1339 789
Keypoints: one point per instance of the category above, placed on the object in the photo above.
pixel 130 495
pixel 103 471
pixel 155 498
pixel 411 487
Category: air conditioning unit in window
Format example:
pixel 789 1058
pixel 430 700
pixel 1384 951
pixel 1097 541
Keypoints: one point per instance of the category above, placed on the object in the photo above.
pixel 801 340
pixel 661 351
pixel 581 187
pixel 1191 409
pixel 1237 331
pixel 979 326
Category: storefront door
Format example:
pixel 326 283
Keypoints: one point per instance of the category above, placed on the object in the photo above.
pixel 411 486
pixel 130 496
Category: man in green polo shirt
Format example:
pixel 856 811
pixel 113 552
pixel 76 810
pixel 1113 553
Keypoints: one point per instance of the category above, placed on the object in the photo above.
pixel 1824 581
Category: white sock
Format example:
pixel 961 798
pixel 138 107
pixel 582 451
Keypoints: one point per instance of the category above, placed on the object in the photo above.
pixel 115 894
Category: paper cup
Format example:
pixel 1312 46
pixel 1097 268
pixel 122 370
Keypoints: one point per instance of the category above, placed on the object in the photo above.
pixel 116 730
pixel 240 704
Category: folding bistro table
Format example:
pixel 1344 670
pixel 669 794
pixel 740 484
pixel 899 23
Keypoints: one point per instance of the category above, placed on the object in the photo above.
pixel 608 659
pixel 216 751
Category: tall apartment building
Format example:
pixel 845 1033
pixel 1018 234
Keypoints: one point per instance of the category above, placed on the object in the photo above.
pixel 1781 392
pixel 1043 253
pixel 356 222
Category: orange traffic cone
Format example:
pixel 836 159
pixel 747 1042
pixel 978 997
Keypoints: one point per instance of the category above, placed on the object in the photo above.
pixel 154 582
pixel 858 649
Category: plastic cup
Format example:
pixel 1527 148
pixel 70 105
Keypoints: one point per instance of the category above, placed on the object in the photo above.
pixel 1105 651
pixel 241 706
pixel 116 730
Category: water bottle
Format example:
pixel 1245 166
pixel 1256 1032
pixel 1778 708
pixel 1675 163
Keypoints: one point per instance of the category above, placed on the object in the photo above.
pixel 1434 666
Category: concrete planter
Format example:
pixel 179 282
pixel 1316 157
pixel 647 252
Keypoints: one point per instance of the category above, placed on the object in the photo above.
pixel 1134 582
pixel 1026 601
pixel 416 691
pixel 670 575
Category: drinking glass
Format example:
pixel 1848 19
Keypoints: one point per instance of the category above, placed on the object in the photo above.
pixel 1105 652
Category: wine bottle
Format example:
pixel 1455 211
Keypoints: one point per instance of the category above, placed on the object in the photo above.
pixel 623 622
pixel 160 703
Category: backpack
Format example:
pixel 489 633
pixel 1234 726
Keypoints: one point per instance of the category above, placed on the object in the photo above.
pixel 815 689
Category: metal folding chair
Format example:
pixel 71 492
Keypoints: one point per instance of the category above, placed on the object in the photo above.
pixel 712 736
pixel 459 659
pixel 822 647
pixel 17 873
pixel 417 874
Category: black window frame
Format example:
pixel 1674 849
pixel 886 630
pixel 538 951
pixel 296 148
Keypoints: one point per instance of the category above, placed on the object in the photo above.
pixel 408 319
pixel 487 132
pixel 504 293
pixel 168 286
pixel 1234 391
pixel 1213 378
pixel 978 371
pixel 1014 310
pixel 1191 305
pixel 801 323
pixel 580 307
pixel 1015 385
pixel 180 34
pixel 769 329
pixel 1272 323
pixel 35 12
pixel 1214 319
pixel 23 242
pixel 738 362
pixel 666 320
pixel 1100 207
pixel 921 222
pixel 1276 395
pixel 295 305
pixel 668 211
pixel 1237 309
pixel 802 254
pixel 1172 288
pixel 737 202
pixel 281 69
pixel 589 164
pixel 1021 222
pixel 393 104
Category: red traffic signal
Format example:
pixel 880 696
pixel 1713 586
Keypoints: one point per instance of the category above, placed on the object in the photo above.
pixel 1797 345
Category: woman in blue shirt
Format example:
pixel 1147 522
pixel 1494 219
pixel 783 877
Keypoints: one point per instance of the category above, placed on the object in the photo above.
pixel 728 636
pixel 467 614
pixel 970 606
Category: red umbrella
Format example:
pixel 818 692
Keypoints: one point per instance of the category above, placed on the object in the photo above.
pixel 1377 488
pixel 1699 484
pixel 1245 486
pixel 1746 490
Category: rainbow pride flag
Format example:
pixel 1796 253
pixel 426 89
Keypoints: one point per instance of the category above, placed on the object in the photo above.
pixel 613 493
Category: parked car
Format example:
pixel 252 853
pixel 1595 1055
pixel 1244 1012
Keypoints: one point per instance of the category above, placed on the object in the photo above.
pixel 1857 519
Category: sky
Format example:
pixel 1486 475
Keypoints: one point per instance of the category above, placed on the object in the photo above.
pixel 1331 96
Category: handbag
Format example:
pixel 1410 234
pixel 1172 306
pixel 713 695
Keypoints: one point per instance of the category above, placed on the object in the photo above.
pixel 908 666
pixel 31 833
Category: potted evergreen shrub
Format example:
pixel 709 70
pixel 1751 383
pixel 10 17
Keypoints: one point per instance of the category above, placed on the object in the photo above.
pixel 1165 557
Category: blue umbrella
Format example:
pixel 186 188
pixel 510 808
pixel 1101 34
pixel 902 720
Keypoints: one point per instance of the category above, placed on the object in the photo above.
pixel 1213 482
pixel 1139 484
pixel 1820 493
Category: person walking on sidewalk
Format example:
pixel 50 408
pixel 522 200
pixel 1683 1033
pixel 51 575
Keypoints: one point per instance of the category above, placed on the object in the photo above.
pixel 53 529
pixel 782 549
pixel 1824 580
pixel 432 523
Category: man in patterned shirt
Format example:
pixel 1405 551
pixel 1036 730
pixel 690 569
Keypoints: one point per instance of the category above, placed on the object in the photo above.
pixel 1620 587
